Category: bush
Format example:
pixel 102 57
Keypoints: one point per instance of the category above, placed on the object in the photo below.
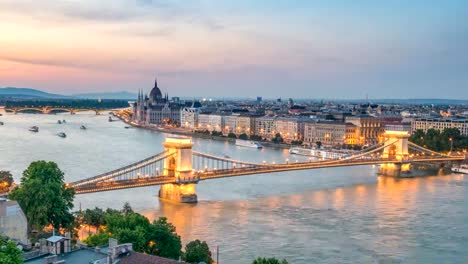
pixel 243 136
pixel 269 261
pixel 197 251
pixel 232 135
pixel 255 137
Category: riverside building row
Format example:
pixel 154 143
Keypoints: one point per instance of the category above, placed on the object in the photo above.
pixel 440 124
pixel 355 130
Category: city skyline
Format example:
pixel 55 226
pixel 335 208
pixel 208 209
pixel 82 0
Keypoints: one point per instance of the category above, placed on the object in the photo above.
pixel 297 49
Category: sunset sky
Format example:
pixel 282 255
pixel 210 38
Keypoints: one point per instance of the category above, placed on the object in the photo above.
pixel 300 49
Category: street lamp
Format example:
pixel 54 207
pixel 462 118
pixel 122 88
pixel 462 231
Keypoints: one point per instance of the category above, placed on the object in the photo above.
pixel 451 144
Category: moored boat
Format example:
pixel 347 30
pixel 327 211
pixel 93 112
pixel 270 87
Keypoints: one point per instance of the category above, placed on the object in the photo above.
pixel 59 122
pixel 462 169
pixel 34 129
pixel 62 135
pixel 320 153
pixel 83 127
pixel 248 143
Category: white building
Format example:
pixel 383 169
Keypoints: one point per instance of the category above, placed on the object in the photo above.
pixel 290 129
pixel 440 124
pixel 230 124
pixel 210 122
pixel 189 117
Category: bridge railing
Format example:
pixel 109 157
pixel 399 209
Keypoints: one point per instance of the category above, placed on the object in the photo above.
pixel 123 170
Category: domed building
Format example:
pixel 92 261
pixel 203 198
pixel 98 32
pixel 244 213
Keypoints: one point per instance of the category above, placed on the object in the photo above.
pixel 156 108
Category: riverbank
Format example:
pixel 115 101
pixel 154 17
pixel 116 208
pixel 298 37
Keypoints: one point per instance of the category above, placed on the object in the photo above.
pixel 189 133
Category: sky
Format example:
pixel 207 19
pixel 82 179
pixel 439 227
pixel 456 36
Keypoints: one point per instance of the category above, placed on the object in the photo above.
pixel 336 49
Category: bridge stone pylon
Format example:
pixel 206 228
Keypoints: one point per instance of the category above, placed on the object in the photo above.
pixel 397 148
pixel 179 166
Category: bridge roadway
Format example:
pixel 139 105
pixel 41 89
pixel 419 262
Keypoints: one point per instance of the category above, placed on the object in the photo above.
pixel 242 171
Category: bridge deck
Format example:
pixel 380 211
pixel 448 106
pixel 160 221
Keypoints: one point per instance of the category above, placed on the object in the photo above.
pixel 99 186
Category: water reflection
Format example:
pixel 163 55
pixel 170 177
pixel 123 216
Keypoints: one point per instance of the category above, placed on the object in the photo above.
pixel 383 221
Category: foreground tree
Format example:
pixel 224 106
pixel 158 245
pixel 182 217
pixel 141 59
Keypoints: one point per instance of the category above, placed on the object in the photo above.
pixel 167 242
pixel 197 251
pixel 157 238
pixel 6 179
pixel 9 253
pixel 269 261
pixel 44 196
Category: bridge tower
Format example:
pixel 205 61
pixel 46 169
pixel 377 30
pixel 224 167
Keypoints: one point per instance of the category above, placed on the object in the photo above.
pixel 397 148
pixel 179 166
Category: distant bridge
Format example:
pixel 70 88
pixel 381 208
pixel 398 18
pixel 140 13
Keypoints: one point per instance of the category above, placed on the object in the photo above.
pixel 50 109
pixel 178 168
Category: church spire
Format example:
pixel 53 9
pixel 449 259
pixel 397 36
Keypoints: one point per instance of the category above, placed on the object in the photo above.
pixel 155 82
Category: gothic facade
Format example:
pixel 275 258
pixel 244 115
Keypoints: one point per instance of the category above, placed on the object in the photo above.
pixel 155 108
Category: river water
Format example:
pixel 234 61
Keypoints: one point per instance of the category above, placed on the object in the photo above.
pixel 335 215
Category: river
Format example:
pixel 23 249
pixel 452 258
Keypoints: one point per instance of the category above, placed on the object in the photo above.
pixel 335 215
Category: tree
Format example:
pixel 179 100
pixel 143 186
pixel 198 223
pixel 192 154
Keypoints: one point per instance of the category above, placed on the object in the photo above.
pixel 216 133
pixel 157 238
pixel 127 209
pixel 448 139
pixel 9 253
pixel 232 135
pixel 243 136
pixel 277 139
pixel 99 239
pixel 197 251
pixel 94 217
pixel 255 137
pixel 44 197
pixel 166 241
pixel 269 261
pixel 6 179
pixel 319 144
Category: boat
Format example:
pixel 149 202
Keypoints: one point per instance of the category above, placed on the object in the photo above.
pixel 320 153
pixel 127 126
pixel 63 121
pixel 83 127
pixel 59 122
pixel 61 134
pixel 110 119
pixel 34 129
pixel 462 169
pixel 248 143
pixel 1 123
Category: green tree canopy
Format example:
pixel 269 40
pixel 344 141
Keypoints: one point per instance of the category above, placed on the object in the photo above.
pixel 166 241
pixel 197 251
pixel 269 261
pixel 448 139
pixel 255 137
pixel 157 238
pixel 232 135
pixel 44 196
pixel 277 139
pixel 9 253
pixel 243 136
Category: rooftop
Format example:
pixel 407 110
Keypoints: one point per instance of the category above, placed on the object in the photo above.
pixel 139 258
pixel 74 257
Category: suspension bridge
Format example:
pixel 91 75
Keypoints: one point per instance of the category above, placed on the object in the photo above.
pixel 50 110
pixel 178 168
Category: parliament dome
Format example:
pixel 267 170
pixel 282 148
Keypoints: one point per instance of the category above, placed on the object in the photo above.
pixel 155 93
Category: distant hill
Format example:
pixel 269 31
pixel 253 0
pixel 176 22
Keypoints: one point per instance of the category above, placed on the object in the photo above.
pixel 27 93
pixel 123 95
